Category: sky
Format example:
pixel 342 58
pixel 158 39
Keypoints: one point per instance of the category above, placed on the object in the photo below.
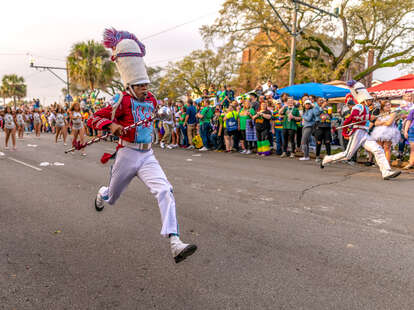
pixel 45 31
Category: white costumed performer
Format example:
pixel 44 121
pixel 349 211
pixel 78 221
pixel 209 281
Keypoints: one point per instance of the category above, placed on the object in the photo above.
pixel 359 136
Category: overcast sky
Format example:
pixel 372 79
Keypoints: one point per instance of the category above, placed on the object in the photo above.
pixel 47 29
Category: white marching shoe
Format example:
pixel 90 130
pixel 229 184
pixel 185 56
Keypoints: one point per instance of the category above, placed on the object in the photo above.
pixel 99 202
pixel 390 174
pixel 180 250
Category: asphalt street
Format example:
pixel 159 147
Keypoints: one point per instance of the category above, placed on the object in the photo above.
pixel 272 234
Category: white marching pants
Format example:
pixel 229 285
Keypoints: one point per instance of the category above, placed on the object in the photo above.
pixel 361 138
pixel 130 163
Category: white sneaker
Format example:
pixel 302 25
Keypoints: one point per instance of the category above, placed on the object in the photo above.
pixel 203 149
pixel 170 146
pixel 283 155
pixel 99 202
pixel 175 146
pixel 318 160
pixel 390 174
pixel 248 152
pixel 180 250
pixel 292 155
pixel 162 145
pixel 304 158
pixel 191 147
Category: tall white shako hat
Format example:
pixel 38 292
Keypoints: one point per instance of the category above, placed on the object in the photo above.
pixel 127 53
pixel 358 91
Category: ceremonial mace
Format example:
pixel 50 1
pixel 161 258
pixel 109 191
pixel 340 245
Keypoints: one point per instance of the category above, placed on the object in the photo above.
pixel 162 114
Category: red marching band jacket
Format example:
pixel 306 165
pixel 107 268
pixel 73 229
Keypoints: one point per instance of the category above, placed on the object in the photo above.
pixel 359 115
pixel 125 111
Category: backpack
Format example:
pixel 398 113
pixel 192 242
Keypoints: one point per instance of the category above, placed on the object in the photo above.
pixel 231 123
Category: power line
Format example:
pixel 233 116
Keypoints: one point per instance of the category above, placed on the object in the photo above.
pixel 178 26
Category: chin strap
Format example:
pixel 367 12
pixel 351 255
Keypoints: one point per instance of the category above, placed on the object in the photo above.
pixel 131 91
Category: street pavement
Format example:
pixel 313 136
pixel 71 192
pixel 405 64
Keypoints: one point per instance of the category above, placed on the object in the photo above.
pixel 272 234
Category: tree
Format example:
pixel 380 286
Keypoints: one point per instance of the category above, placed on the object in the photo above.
pixel 324 50
pixel 4 93
pixel 13 86
pixel 196 71
pixel 90 66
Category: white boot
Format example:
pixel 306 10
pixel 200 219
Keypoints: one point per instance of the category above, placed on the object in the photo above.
pixel 180 250
pixel 99 200
pixel 390 174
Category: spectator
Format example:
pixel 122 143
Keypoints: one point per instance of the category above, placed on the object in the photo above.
pixel 230 127
pixel 309 120
pixel 254 103
pixel 168 126
pixel 183 129
pixel 385 131
pixel 290 115
pixel 277 128
pixel 245 114
pixel 262 122
pixel 191 122
pixel 323 127
pixel 205 116
pixel 409 135
pixel 216 122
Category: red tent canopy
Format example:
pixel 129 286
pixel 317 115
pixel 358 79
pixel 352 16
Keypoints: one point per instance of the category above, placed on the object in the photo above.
pixel 394 88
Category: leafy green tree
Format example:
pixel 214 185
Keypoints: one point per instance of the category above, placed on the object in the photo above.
pixel 90 66
pixel 327 48
pixel 13 86
pixel 197 71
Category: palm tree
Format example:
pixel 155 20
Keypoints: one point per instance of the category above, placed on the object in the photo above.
pixel 90 66
pixel 13 86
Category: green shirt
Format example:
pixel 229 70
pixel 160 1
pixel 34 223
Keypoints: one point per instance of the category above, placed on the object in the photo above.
pixel 207 113
pixel 290 124
pixel 244 117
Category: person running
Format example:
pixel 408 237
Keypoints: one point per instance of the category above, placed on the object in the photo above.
pixel 135 157
pixel 37 123
pixel 9 127
pixel 359 119
pixel 61 125
pixel 78 128
pixel 20 124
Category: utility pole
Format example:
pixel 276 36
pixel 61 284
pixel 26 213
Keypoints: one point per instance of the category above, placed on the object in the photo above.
pixel 48 68
pixel 296 30
pixel 293 45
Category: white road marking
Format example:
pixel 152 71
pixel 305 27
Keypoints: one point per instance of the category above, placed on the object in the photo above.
pixel 32 145
pixel 58 163
pixel 2 154
pixel 189 159
pixel 25 164
pixel 44 164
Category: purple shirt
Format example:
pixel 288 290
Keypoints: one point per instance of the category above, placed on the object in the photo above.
pixel 411 118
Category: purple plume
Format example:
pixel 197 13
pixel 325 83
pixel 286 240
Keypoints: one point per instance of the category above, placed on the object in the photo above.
pixel 351 83
pixel 112 37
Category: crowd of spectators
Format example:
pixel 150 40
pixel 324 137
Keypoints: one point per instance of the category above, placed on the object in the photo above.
pixel 265 123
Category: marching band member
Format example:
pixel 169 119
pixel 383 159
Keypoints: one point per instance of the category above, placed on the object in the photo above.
pixel 135 157
pixel 359 133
